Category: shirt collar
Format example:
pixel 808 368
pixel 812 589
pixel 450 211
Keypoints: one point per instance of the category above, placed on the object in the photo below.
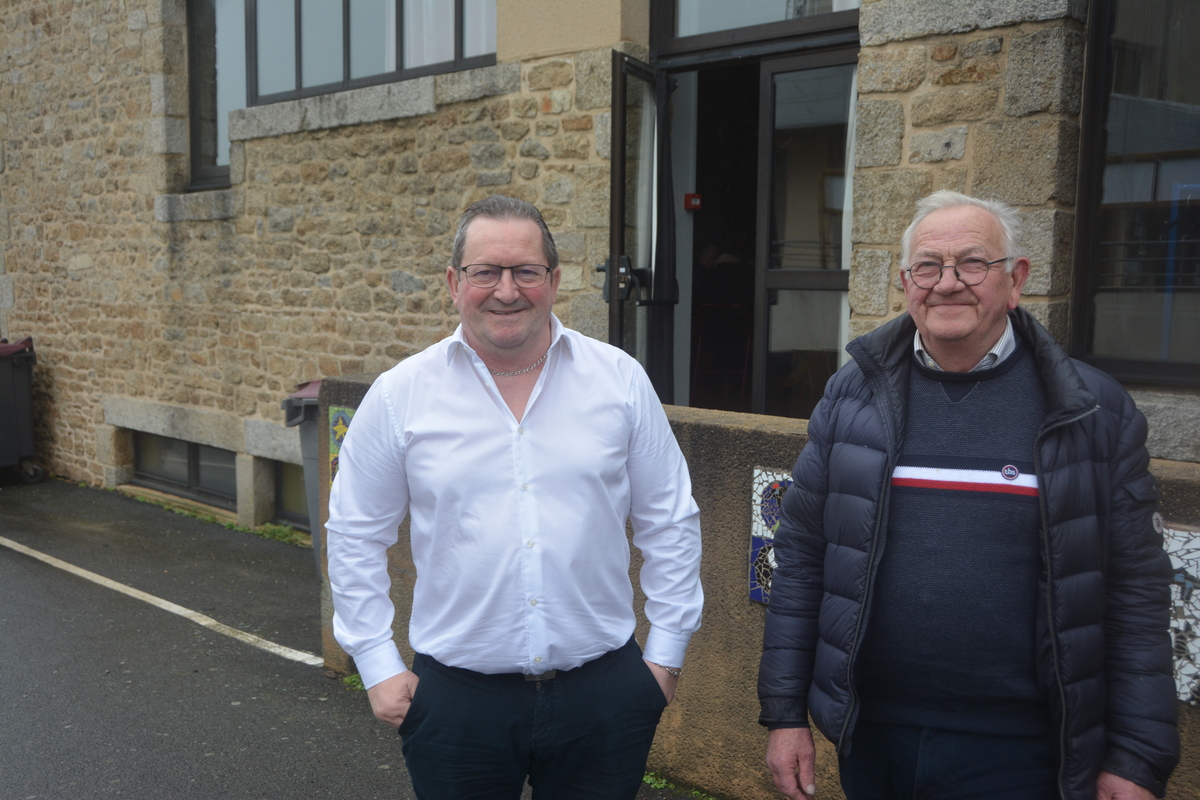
pixel 1000 350
pixel 458 340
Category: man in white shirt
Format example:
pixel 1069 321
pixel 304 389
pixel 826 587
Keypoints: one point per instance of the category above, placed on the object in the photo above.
pixel 519 449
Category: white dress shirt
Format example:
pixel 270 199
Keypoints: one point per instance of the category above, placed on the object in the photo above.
pixel 517 528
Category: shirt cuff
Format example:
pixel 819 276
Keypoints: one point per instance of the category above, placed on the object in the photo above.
pixel 379 663
pixel 666 648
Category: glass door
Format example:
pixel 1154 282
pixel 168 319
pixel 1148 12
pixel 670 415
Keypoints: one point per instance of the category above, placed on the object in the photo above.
pixel 801 312
pixel 641 288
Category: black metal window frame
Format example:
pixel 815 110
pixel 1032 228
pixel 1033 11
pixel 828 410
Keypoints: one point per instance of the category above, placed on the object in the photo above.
pixel 253 98
pixel 670 51
pixel 191 490
pixel 1097 81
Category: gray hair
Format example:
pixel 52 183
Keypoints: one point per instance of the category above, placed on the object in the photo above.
pixel 500 207
pixel 1005 215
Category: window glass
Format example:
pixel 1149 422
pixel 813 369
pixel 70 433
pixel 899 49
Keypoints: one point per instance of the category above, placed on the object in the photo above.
pixel 479 27
pixel 161 457
pixel 428 32
pixel 217 471
pixel 219 81
pixel 1146 304
pixel 276 46
pixel 693 17
pixel 320 42
pixel 291 500
pixel 372 37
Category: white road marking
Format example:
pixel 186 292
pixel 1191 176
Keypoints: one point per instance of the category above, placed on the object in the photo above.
pixel 166 605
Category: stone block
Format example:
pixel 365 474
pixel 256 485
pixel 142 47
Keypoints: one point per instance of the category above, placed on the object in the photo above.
pixel 944 52
pixel 982 47
pixel 406 283
pixel 870 272
pixel 255 490
pixel 198 206
pixel 571 145
pixel 7 293
pixel 525 106
pixel 267 439
pixel 1026 162
pixel 488 156
pixel 473 84
pixel 559 191
pixel 571 245
pixel 604 135
pixel 1048 238
pixel 944 106
pixel 891 70
pixel 528 170
pixel 1045 73
pixel 494 178
pixel 114 446
pixel 878 133
pixel 547 128
pixel 931 146
pixel 112 477
pixel 592 196
pixel 514 130
pixel 593 79
pixel 898 20
pixel 589 315
pixel 550 75
pixel 1054 316
pixel 168 96
pixel 532 148
pixel 860 327
pixel 884 203
pixel 1174 418
pixel 556 102
pixel 352 107
pixel 165 135
pixel 974 70
pixel 137 20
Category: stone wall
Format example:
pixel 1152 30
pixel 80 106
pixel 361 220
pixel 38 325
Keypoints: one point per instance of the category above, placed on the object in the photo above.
pixel 326 256
pixel 979 97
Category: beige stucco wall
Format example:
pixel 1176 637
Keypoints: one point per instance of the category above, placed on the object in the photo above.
pixel 538 28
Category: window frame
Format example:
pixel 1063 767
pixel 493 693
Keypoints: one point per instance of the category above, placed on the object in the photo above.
pixel 192 490
pixel 253 98
pixel 1093 156
pixel 201 177
pixel 762 39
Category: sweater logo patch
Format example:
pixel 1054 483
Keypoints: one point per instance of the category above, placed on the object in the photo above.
pixel 1007 480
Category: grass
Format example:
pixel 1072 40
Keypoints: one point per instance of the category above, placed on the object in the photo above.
pixel 271 530
pixel 354 682
pixel 655 781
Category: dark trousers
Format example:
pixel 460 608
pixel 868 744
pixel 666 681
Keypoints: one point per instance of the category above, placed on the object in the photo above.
pixel 899 761
pixel 583 734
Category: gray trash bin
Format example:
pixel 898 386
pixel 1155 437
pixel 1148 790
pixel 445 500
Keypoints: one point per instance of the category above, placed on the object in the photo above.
pixel 16 408
pixel 302 408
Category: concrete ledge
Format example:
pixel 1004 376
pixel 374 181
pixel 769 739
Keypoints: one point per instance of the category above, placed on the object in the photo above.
pixel 178 422
pixel 267 439
pixel 221 515
pixel 351 107
pixel 1174 418
pixel 1178 492
pixel 896 20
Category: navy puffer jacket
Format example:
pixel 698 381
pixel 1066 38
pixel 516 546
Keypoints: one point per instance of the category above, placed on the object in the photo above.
pixel 1104 649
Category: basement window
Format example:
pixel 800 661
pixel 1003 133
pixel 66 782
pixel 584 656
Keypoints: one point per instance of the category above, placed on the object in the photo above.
pixel 187 469
pixel 291 499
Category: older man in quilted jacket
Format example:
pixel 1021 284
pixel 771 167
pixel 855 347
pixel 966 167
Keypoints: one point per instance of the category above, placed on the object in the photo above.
pixel 971 599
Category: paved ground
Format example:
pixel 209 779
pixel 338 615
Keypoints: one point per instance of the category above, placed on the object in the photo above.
pixel 105 695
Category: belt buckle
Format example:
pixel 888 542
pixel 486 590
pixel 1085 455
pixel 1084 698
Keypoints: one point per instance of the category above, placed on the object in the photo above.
pixel 548 675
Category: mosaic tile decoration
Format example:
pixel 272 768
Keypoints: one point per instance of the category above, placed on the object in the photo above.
pixel 1184 549
pixel 339 423
pixel 767 490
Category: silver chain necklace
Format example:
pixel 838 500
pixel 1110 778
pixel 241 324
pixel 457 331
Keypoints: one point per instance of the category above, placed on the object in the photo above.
pixel 532 366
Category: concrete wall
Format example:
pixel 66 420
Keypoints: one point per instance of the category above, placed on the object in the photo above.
pixel 709 737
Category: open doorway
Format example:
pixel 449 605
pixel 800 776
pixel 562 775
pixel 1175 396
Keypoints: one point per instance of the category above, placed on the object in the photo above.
pixel 722 237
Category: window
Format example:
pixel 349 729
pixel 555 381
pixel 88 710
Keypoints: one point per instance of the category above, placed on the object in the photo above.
pixel 204 473
pixel 300 48
pixel 1139 243
pixel 253 52
pixel 694 17
pixel 291 498
pixel 692 26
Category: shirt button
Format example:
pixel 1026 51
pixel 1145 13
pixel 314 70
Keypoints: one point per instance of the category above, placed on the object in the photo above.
pixel 521 431
pixel 529 543
pixel 533 602
pixel 537 660
pixel 524 487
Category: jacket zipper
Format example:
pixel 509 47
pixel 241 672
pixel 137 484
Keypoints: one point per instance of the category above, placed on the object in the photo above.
pixel 864 603
pixel 1062 694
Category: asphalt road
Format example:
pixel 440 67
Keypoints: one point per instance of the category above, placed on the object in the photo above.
pixel 104 695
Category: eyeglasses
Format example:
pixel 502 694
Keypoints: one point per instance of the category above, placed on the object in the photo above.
pixel 485 276
pixel 971 271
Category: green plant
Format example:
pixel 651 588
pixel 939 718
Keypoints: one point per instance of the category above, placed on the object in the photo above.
pixel 354 682
pixel 655 781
